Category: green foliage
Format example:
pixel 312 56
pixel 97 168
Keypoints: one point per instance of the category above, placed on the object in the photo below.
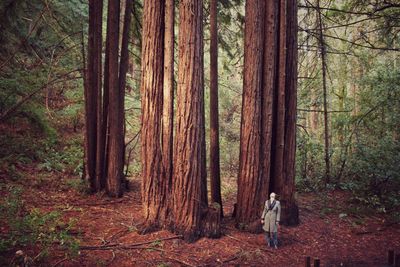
pixel 67 159
pixel 33 227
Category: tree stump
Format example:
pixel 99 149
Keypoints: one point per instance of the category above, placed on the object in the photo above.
pixel 212 221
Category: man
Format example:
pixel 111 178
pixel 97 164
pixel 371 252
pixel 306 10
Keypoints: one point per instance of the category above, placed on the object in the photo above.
pixel 270 220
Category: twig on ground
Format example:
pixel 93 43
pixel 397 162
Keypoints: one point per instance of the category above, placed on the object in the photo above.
pixel 125 246
pixel 59 262
pixel 180 261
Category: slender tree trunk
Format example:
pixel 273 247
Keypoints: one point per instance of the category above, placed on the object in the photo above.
pixel 215 179
pixel 91 98
pixel 189 139
pixel 324 88
pixel 116 142
pixel 154 185
pixel 97 70
pixel 105 106
pixel 250 177
pixel 168 94
pixel 290 211
pixel 123 69
pixel 280 112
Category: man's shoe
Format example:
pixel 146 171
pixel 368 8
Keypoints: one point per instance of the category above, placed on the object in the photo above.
pixel 276 247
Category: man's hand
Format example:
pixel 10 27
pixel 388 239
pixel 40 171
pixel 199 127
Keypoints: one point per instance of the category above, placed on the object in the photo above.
pixel 262 221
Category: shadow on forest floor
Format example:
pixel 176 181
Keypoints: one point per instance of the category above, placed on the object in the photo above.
pixel 107 230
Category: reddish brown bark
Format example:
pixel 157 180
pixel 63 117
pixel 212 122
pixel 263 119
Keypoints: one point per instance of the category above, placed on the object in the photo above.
pixel 154 184
pixel 189 139
pixel 215 179
pixel 250 176
pixel 168 95
pixel 279 124
pixel 93 97
pixel 290 214
pixel 123 69
pixel 97 70
pixel 115 140
pixel 268 129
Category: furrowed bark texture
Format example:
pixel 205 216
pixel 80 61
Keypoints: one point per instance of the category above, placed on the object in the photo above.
pixel 215 179
pixel 268 130
pixel 168 95
pixel 250 176
pixel 154 183
pixel 189 156
pixel 116 142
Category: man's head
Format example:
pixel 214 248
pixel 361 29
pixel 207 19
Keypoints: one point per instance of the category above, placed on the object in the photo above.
pixel 272 195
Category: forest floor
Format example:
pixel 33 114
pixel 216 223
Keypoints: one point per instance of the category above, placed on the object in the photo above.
pixel 337 232
pixel 107 232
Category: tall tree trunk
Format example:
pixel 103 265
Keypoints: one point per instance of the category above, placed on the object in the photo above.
pixel 215 179
pixel 270 83
pixel 189 138
pixel 280 111
pixel 154 185
pixel 115 141
pixel 123 69
pixel 97 70
pixel 91 95
pixel 249 199
pixel 324 88
pixel 168 94
pixel 268 128
pixel 106 101
pixel 290 211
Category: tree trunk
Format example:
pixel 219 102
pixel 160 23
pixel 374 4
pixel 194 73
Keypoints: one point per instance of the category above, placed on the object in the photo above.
pixel 268 129
pixel 154 184
pixel 123 69
pixel 215 179
pixel 280 112
pixel 250 177
pixel 290 211
pixel 190 137
pixel 106 99
pixel 270 81
pixel 91 95
pixel 97 70
pixel 324 88
pixel 116 142
pixel 168 94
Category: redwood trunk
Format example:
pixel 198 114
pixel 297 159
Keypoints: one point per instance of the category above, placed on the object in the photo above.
pixel 168 95
pixel 123 69
pixel 268 129
pixel 97 79
pixel 154 184
pixel 190 137
pixel 250 176
pixel 90 102
pixel 116 143
pixel 290 214
pixel 215 179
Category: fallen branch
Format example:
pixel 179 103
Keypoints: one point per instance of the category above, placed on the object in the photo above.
pixel 180 261
pixel 127 246
pixel 59 262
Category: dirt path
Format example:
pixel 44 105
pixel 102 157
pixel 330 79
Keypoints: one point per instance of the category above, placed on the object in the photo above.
pixel 109 238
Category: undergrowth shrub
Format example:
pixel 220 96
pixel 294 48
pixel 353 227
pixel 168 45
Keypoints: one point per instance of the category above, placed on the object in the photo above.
pixel 33 227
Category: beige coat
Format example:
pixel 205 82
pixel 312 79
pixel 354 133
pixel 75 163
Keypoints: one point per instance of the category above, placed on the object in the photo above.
pixel 271 217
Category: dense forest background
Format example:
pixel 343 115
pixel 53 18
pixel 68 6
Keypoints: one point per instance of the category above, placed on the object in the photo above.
pixel 348 99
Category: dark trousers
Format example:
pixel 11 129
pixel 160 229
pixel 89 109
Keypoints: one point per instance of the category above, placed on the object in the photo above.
pixel 271 238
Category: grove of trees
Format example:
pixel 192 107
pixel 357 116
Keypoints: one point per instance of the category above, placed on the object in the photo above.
pixel 205 100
